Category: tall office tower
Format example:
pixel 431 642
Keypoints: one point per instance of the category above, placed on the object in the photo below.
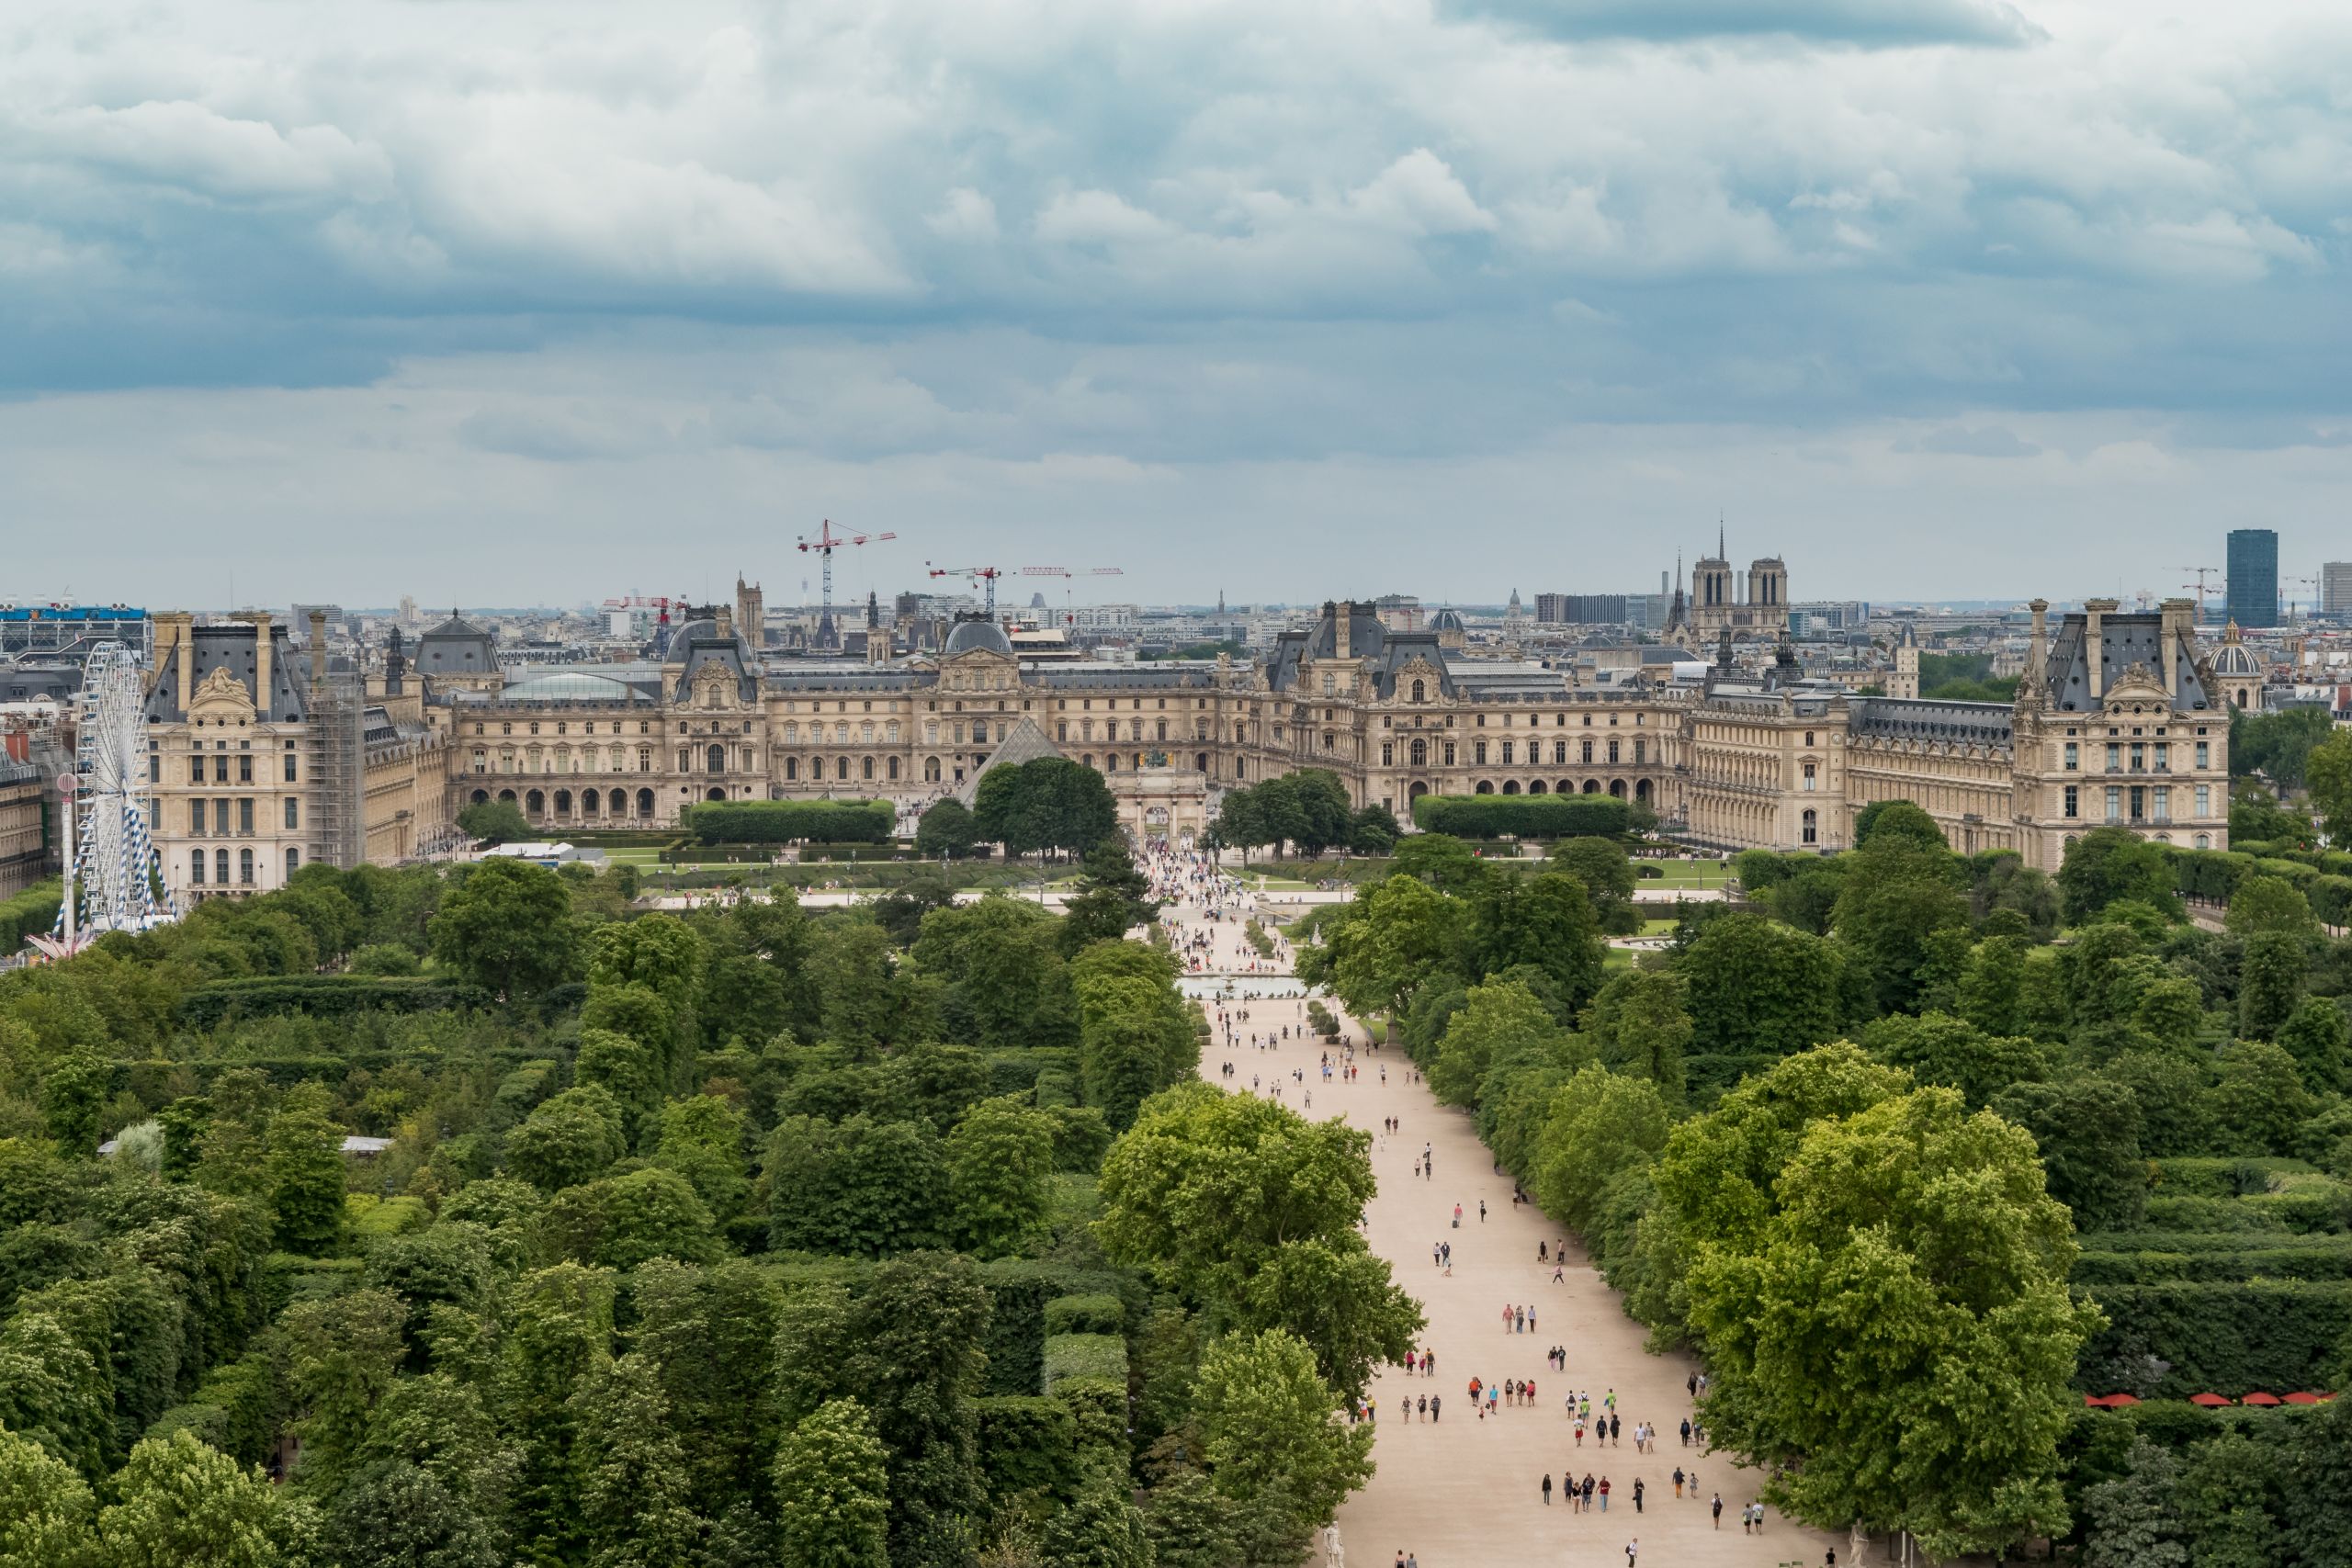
pixel 2254 577
pixel 2335 588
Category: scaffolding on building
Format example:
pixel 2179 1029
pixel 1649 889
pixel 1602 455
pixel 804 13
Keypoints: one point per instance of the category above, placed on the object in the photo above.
pixel 338 767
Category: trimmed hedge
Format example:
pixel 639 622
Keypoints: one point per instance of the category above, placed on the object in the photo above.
pixel 2159 1257
pixel 2228 1338
pixel 1018 1289
pixel 1523 816
pixel 786 821
pixel 30 913
pixel 2223 1177
pixel 1085 1314
pixel 1099 1406
pixel 1071 1356
pixel 324 995
pixel 1028 1444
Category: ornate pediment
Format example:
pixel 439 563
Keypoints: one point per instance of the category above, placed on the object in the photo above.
pixel 220 694
pixel 2138 683
pixel 713 686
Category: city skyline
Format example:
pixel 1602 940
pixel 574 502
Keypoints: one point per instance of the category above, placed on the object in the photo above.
pixel 1919 294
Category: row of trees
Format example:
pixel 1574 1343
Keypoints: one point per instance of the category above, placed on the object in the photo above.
pixel 1856 1141
pixel 1308 810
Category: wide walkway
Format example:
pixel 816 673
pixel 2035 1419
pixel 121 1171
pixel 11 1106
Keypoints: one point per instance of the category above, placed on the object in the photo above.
pixel 1457 1492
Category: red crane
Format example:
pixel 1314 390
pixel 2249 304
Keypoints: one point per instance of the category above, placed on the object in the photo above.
pixel 981 574
pixel 824 545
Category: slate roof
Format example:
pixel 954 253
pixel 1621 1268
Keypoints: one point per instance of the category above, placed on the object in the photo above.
pixel 232 647
pixel 1369 642
pixel 456 646
pixel 2125 640
pixel 1913 719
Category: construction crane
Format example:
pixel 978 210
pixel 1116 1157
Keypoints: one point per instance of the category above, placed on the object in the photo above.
pixel 1069 612
pixel 2203 573
pixel 981 574
pixel 2313 583
pixel 824 545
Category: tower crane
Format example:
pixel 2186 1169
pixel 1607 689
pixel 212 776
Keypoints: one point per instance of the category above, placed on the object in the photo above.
pixel 2203 573
pixel 986 575
pixel 824 545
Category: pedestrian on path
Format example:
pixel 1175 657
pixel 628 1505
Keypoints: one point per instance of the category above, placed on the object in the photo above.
pixel 1637 1494
pixel 1677 1481
pixel 1632 1551
pixel 1482 1211
pixel 1604 1493
pixel 1719 1510
pixel 1547 1488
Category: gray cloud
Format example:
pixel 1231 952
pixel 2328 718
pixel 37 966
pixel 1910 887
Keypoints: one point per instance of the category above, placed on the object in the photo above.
pixel 1215 252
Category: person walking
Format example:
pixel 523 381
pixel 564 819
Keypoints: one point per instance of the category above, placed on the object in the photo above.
pixel 1482 1211
pixel 1632 1551
pixel 1547 1488
pixel 1604 1493
pixel 1435 1403
pixel 1637 1494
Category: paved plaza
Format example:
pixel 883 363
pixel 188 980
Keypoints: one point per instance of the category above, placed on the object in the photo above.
pixel 1459 1492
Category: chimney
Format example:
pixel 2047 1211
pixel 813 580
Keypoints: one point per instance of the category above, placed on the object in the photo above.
pixel 174 643
pixel 318 651
pixel 260 620
pixel 2176 626
pixel 1342 615
pixel 726 622
pixel 2095 612
pixel 2038 669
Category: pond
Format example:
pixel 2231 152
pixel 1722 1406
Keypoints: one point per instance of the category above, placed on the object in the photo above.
pixel 1207 987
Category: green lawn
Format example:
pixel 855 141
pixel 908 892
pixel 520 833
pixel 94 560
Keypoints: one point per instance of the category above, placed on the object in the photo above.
pixel 1683 874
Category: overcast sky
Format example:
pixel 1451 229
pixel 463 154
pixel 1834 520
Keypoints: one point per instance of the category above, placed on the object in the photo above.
pixel 510 300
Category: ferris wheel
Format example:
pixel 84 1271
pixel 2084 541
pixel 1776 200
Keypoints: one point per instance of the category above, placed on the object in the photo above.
pixel 110 885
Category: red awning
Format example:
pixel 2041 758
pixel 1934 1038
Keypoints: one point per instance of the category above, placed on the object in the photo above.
pixel 2209 1401
pixel 2302 1399
pixel 2117 1401
pixel 2259 1399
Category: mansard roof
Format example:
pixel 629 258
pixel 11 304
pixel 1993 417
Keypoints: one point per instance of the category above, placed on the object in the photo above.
pixel 456 646
pixel 1915 718
pixel 232 649
pixel 2125 640
pixel 1369 641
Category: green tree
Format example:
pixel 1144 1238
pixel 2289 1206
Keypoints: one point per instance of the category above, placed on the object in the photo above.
pixel 2258 1099
pixel 397 1515
pixel 183 1505
pixel 2328 775
pixel 1894 1307
pixel 1607 873
pixel 1600 1125
pixel 909 1348
pixel 2131 1521
pixel 45 1510
pixel 558 1332
pixel 1991 986
pixel 702 1140
pixel 1639 1026
pixel 569 1139
pixel 2107 865
pixel 1397 935
pixel 341 1358
pixel 1938 1048
pixel 1896 902
pixel 494 822
pixel 660 952
pixel 710 1334
pixel 1050 803
pixel 1499 1020
pixel 2316 1036
pixel 1213 1190
pixel 1000 1158
pixel 633 1495
pixel 2262 904
pixel 2270 982
pixel 865 1187
pixel 1758 988
pixel 1101 1528
pixel 832 1491
pixel 305 1169
pixel 74 1093
pixel 946 831
pixel 1546 922
pixel 619 1222
pixel 2087 1129
pixel 626 1069
pixel 1886 823
pixel 1442 860
pixel 1270 1424
pixel 1113 898
pixel 1003 957
pixel 53 1391
pixel 508 927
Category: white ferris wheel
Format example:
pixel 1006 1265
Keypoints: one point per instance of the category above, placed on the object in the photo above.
pixel 110 872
